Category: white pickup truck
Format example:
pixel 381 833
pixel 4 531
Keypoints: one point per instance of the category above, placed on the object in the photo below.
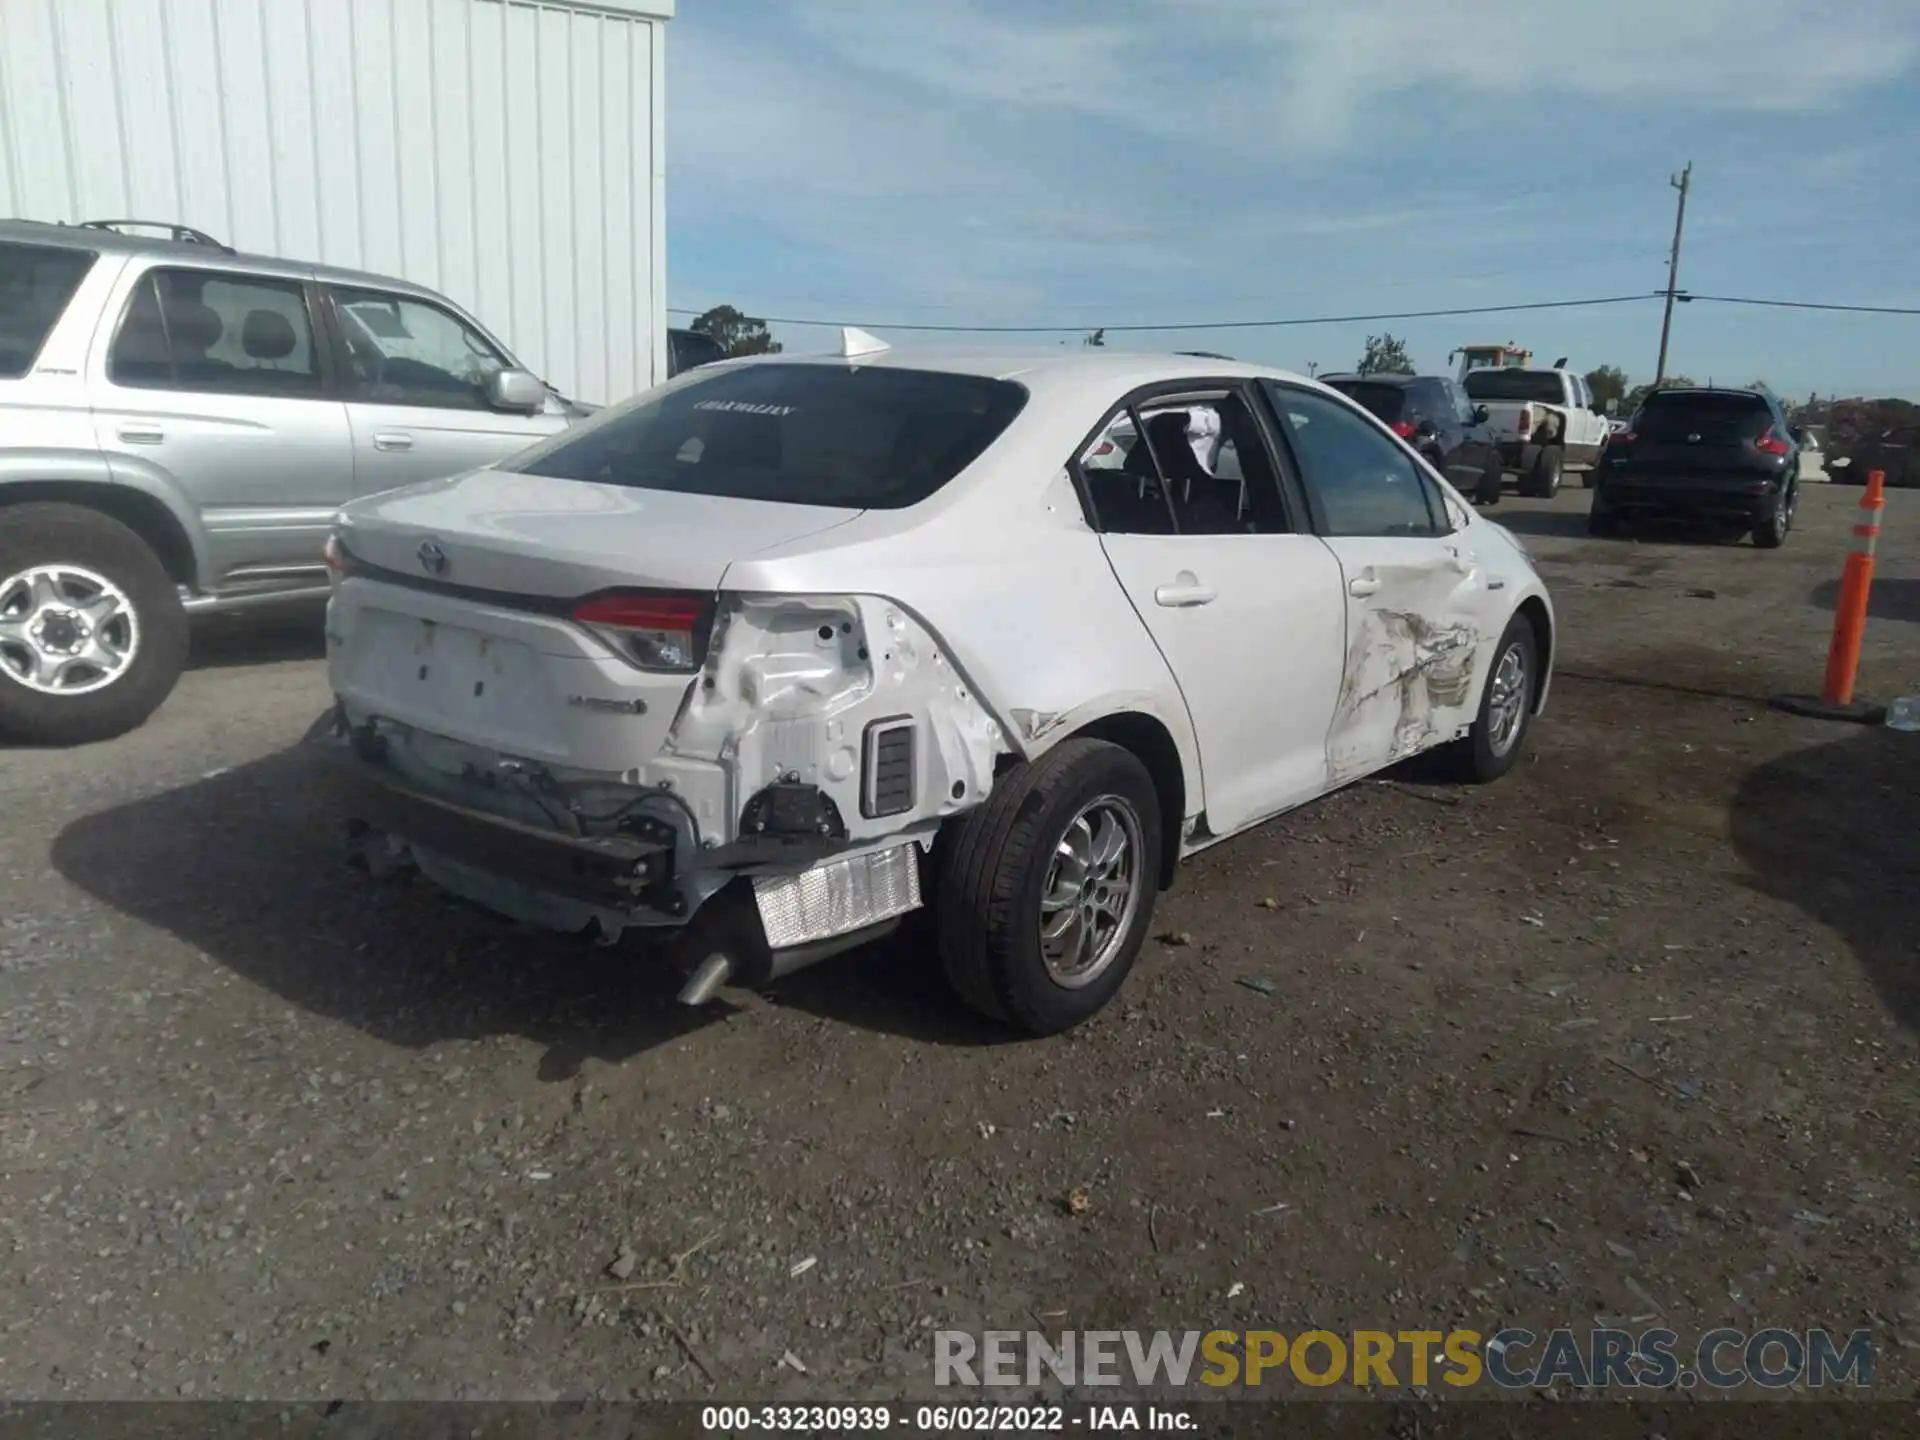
pixel 1545 423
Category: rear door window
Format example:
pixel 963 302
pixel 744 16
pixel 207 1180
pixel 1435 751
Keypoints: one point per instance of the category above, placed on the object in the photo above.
pixel 203 330
pixel 36 282
pixel 868 437
pixel 1679 417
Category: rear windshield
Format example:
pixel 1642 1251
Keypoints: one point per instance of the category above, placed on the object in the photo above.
pixel 1384 402
pixel 1546 386
pixel 36 281
pixel 1680 416
pixel 875 437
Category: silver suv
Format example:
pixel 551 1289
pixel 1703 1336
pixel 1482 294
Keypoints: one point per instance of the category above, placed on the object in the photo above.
pixel 178 425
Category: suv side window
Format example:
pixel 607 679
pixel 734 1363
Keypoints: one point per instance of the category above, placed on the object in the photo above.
pixel 36 282
pixel 1462 405
pixel 1366 484
pixel 208 330
pixel 405 351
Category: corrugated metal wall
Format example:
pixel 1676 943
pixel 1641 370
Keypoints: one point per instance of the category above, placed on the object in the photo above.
pixel 505 152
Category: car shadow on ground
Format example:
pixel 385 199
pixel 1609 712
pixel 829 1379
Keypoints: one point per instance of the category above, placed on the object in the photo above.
pixel 263 637
pixel 1835 830
pixel 248 867
pixel 1887 600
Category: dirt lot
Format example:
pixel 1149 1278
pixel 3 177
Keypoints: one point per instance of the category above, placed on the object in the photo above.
pixel 1632 1033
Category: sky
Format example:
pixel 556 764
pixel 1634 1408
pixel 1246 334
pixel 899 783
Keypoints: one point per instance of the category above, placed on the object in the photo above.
pixel 1095 163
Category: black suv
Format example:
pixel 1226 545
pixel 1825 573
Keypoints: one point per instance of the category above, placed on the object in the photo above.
pixel 1717 456
pixel 1434 415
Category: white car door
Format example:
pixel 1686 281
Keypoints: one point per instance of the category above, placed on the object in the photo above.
pixel 1418 604
pixel 1244 603
pixel 416 392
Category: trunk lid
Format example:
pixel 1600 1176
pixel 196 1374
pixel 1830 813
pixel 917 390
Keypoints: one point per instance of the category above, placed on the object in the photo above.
pixel 510 534
pixel 472 639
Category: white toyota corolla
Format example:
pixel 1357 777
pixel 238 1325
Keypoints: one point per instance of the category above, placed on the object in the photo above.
pixel 773 654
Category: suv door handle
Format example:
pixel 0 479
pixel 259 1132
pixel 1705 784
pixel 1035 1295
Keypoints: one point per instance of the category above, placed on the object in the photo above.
pixel 1363 585
pixel 142 434
pixel 392 440
pixel 1186 592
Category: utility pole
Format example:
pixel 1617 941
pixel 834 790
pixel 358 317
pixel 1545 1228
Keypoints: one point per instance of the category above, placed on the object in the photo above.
pixel 1682 182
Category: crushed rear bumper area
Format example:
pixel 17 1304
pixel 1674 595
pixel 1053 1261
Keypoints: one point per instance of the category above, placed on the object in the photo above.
pixel 617 872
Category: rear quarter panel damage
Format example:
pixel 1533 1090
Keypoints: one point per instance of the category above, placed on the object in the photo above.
pixel 1012 587
pixel 791 685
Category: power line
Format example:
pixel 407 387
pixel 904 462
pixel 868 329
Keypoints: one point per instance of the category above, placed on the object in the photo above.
pixel 1803 304
pixel 1200 324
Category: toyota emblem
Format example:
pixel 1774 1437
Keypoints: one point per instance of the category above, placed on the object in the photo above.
pixel 433 559
pixel 1693 439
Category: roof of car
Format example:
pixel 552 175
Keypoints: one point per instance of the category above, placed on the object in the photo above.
pixel 1119 367
pixel 1707 390
pixel 113 242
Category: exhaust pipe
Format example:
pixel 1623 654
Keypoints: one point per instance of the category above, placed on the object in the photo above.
pixel 707 978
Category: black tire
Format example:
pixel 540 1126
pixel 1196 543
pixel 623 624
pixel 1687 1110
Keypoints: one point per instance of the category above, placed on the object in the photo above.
pixel 1602 522
pixel 1493 481
pixel 1477 758
pixel 51 534
pixel 1542 482
pixel 1771 533
pixel 994 866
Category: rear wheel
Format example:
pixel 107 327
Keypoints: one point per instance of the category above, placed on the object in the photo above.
pixel 1601 521
pixel 92 633
pixel 1046 891
pixel 1771 532
pixel 1543 481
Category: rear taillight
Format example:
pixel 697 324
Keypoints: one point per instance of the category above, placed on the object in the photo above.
pixel 1626 437
pixel 1770 443
pixel 1403 429
pixel 650 630
pixel 1526 422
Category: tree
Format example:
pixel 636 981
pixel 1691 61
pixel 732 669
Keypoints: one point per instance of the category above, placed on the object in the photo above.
pixel 1098 337
pixel 1609 382
pixel 735 333
pixel 1386 356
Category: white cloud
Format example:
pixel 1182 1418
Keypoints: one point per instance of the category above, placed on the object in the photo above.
pixel 1008 159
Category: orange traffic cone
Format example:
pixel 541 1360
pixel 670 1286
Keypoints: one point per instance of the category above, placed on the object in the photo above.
pixel 1836 699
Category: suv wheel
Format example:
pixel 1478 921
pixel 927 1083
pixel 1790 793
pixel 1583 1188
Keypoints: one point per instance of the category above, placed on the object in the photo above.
pixel 1046 891
pixel 1771 533
pixel 92 633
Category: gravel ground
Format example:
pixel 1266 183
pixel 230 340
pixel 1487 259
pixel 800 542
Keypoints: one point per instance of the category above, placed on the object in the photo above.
pixel 1632 1033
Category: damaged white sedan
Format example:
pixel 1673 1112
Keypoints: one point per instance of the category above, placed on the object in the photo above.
pixel 776 653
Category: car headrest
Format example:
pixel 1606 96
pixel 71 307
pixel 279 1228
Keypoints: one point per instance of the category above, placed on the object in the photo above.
pixel 267 335
pixel 193 325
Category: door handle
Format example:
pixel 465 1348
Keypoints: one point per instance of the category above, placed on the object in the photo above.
pixel 1363 585
pixel 392 440
pixel 142 434
pixel 1182 595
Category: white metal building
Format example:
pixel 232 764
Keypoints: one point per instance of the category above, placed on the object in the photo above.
pixel 509 153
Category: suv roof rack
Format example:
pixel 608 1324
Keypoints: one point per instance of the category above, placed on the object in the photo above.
pixel 183 234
